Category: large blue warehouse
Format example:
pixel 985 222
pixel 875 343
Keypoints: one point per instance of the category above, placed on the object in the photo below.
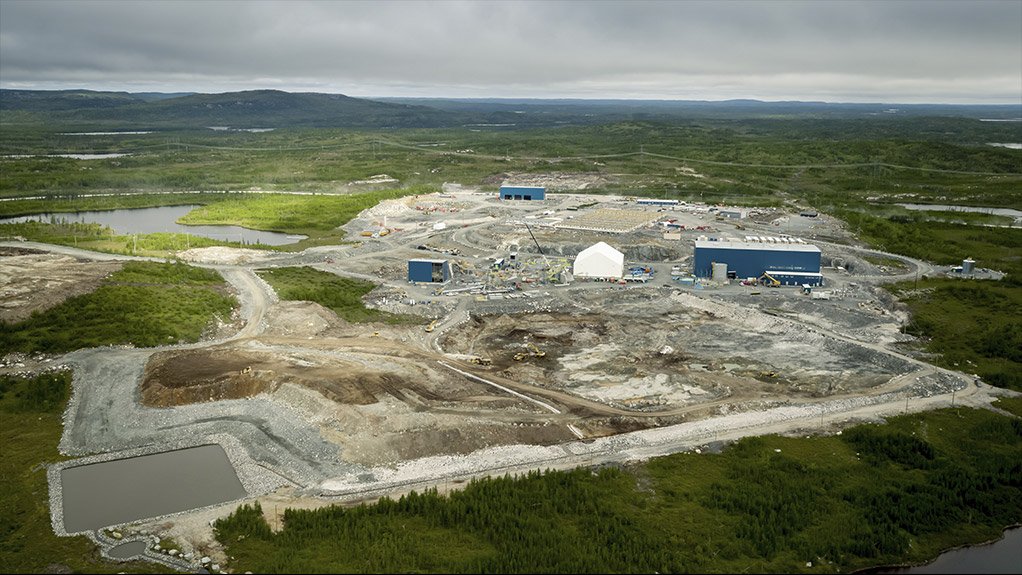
pixel 522 193
pixel 796 263
pixel 431 271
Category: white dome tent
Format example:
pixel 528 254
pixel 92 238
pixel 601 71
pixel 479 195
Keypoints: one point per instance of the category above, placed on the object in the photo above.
pixel 599 261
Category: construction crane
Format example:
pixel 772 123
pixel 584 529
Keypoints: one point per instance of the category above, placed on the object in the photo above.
pixel 547 262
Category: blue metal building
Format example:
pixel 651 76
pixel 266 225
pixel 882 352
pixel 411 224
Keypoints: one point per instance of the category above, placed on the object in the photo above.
pixel 522 193
pixel 429 271
pixel 752 259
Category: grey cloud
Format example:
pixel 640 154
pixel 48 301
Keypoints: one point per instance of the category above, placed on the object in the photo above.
pixel 919 51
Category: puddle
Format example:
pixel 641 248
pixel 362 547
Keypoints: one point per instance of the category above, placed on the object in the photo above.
pixel 127 550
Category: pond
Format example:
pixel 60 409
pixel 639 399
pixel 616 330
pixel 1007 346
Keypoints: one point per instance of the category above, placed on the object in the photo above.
pixel 162 219
pixel 1003 556
pixel 125 490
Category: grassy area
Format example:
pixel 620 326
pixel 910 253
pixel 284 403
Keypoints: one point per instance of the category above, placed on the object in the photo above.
pixel 144 304
pixel 975 326
pixel 1012 404
pixel 891 263
pixel 342 295
pixel 31 411
pixel 938 242
pixel 876 495
pixel 315 216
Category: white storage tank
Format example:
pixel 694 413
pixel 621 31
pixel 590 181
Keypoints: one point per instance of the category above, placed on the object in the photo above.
pixel 967 265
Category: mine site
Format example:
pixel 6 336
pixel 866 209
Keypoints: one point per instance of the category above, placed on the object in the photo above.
pixel 554 330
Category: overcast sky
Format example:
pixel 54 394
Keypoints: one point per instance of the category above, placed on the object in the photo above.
pixel 855 51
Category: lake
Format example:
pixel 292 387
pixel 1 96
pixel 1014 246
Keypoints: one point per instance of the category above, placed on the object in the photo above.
pixel 1004 556
pixel 945 208
pixel 162 219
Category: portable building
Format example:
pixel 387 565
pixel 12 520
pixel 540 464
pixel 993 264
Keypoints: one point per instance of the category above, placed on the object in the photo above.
pixel 522 193
pixel 730 213
pixel 429 271
pixel 599 261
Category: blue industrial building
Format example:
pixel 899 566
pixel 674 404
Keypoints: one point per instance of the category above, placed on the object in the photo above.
pixel 522 193
pixel 429 271
pixel 795 263
pixel 656 202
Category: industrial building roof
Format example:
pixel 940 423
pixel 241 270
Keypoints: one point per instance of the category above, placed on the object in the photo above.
pixel 787 273
pixel 770 247
pixel 428 260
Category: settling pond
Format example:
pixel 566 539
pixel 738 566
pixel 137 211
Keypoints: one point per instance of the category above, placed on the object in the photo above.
pixel 161 219
pixel 125 490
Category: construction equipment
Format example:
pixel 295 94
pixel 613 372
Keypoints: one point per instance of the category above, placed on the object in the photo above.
pixel 432 325
pixel 533 352
pixel 479 360
pixel 768 280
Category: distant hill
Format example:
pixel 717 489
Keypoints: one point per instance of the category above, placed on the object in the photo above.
pixel 522 108
pixel 257 108
pixel 277 109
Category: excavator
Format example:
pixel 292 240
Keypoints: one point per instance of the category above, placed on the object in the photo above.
pixel 432 325
pixel 480 360
pixel 533 352
pixel 768 280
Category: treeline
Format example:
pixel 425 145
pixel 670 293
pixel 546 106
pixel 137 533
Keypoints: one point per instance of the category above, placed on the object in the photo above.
pixel 875 495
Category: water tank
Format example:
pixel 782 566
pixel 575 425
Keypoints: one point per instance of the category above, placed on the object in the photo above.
pixel 719 272
pixel 967 265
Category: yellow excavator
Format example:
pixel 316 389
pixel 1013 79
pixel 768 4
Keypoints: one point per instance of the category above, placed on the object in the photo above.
pixel 432 325
pixel 768 280
pixel 533 352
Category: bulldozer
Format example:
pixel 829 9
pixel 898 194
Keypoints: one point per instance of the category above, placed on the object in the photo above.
pixel 533 352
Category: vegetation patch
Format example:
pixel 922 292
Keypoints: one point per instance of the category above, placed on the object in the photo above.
pixel 876 495
pixel 975 326
pixel 31 408
pixel 942 243
pixel 342 295
pixel 1011 404
pixel 144 304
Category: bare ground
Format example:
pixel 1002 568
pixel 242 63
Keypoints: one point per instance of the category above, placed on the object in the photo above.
pixel 32 281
